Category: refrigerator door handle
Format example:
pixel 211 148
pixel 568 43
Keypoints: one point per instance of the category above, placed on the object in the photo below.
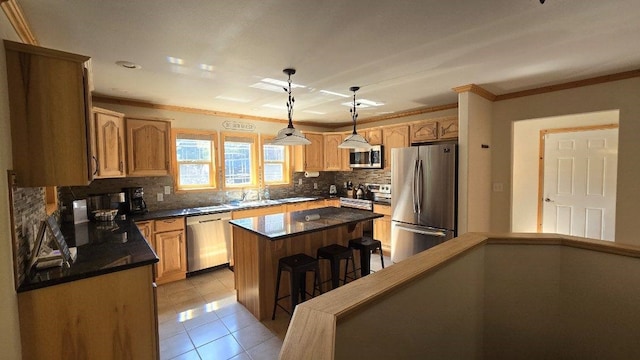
pixel 417 230
pixel 420 189
pixel 415 185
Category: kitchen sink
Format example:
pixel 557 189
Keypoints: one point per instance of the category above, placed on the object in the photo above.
pixel 259 203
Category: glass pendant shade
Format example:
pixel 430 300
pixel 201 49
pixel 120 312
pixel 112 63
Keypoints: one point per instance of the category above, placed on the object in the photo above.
pixel 290 135
pixel 355 140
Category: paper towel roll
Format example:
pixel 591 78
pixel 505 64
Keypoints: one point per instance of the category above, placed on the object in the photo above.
pixel 311 174
pixel 312 217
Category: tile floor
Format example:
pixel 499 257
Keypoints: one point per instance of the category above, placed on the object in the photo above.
pixel 199 318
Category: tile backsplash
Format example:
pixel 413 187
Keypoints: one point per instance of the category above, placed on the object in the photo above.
pixel 301 186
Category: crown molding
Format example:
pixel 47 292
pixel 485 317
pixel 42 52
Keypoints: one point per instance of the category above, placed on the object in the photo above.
pixel 571 85
pixel 473 88
pixel 16 17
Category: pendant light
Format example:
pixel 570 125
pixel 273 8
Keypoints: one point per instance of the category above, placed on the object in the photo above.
pixel 355 140
pixel 290 135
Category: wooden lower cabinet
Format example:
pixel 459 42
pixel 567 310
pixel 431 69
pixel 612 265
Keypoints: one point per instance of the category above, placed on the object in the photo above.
pixel 167 237
pixel 268 210
pixel 382 227
pixel 111 316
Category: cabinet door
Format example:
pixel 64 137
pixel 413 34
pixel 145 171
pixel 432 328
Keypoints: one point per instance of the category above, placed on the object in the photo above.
pixel 148 147
pixel 373 136
pixel 316 204
pixel 332 154
pixel 394 137
pixel 382 227
pixel 314 153
pixel 109 144
pixel 48 101
pixel 448 129
pixel 332 202
pixel 146 228
pixel 424 131
pixel 297 206
pixel 171 249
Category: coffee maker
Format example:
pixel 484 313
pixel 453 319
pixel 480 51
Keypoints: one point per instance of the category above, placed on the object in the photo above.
pixel 134 203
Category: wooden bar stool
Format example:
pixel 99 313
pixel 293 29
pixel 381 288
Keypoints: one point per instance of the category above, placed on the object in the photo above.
pixel 334 253
pixel 297 265
pixel 366 245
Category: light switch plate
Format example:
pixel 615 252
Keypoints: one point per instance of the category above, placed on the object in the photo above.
pixel 167 190
pixel 300 182
pixel 315 186
pixel 498 187
pixel 160 197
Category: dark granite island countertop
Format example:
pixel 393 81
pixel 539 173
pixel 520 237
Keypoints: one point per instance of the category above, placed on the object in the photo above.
pixel 279 226
pixel 103 247
pixel 259 242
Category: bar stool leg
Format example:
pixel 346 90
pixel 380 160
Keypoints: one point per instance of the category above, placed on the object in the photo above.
pixel 365 262
pixel 275 300
pixel 381 257
pixel 317 282
pixel 303 286
pixel 335 273
pixel 295 290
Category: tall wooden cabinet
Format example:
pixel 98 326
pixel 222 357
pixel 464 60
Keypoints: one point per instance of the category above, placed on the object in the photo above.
pixel 108 144
pixel 382 227
pixel 148 147
pixel 49 106
pixel 394 137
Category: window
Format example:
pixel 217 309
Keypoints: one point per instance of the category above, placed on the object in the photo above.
pixel 275 163
pixel 195 159
pixel 240 159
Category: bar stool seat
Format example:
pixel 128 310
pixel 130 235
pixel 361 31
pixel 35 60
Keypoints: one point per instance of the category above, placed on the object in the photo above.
pixel 334 253
pixel 297 265
pixel 366 246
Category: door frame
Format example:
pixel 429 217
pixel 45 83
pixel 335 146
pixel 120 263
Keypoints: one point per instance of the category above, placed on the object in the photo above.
pixel 541 159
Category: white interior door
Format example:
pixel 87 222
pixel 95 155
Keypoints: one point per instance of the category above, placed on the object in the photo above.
pixel 580 183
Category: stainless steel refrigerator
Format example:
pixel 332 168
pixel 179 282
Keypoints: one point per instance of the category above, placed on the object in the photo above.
pixel 424 199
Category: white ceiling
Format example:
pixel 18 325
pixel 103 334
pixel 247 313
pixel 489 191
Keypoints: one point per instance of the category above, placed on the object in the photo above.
pixel 407 54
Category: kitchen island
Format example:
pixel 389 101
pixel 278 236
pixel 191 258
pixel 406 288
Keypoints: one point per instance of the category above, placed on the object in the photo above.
pixel 259 242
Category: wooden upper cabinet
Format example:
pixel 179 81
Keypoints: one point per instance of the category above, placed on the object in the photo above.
pixel 49 108
pixel 314 153
pixel 148 147
pixel 394 137
pixel 332 154
pixel 423 131
pixel 108 144
pixel 448 129
pixel 373 136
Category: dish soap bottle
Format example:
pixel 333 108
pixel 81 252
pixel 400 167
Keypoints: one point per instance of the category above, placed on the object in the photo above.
pixel 266 193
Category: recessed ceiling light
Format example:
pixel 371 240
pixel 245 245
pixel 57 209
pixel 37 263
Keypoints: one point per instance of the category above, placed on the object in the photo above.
pixel 279 107
pixel 281 83
pixel 334 93
pixel 364 103
pixel 229 98
pixel 206 67
pixel 175 60
pixel 128 65
pixel 313 112
pixel 265 86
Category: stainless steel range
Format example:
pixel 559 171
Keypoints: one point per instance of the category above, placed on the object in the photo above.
pixel 379 193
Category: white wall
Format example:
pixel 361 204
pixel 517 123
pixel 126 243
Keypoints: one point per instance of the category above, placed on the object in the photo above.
pixel 474 168
pixel 9 325
pixel 623 95
pixel 526 149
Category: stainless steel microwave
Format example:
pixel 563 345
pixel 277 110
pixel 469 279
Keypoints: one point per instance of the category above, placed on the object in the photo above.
pixel 370 159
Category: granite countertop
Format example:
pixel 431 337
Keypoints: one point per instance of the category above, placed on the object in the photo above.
pixel 214 209
pixel 282 225
pixel 103 247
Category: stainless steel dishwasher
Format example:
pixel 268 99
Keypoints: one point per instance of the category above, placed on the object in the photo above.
pixel 208 241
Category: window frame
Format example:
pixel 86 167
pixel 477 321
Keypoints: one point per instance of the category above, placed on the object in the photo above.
pixel 255 159
pixel 288 166
pixel 213 167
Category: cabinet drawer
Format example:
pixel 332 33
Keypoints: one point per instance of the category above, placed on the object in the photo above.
pixel 382 209
pixel 170 224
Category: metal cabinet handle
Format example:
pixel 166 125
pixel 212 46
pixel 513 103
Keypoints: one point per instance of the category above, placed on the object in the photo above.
pixel 95 172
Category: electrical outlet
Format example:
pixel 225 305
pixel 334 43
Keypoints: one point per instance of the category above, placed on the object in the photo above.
pixel 498 187
pixel 167 190
pixel 160 197
pixel 299 182
pixel 315 186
